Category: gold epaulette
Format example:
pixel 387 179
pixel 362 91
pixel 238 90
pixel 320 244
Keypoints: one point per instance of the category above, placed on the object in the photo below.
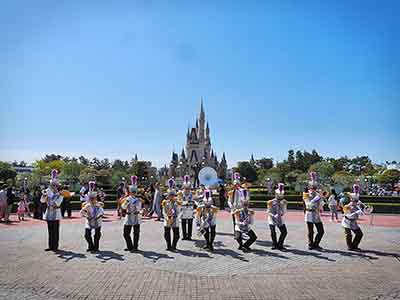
pixel 163 203
pixel 269 203
pixel 230 193
pixel 346 208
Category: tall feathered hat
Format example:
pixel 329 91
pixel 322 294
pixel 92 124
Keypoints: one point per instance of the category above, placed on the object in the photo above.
pixel 186 182
pixel 208 200
pixel 236 178
pixel 280 191
pixel 313 183
pixel 355 195
pixel 54 177
pixel 171 187
pixel 92 189
pixel 133 185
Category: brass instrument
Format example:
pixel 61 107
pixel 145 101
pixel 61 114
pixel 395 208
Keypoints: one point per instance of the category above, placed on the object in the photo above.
pixel 171 213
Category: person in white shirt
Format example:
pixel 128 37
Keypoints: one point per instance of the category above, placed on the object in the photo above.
pixel 52 197
pixel 187 210
pixel 132 205
pixel 83 193
pixel 333 205
pixel 93 212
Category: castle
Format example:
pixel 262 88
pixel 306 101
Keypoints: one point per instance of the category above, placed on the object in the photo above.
pixel 198 152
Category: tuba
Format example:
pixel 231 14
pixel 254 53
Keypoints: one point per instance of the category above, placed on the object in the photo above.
pixel 171 214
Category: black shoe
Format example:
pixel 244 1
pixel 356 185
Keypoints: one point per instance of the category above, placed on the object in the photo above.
pixel 47 249
pixel 211 248
pixel 310 248
pixel 206 246
pixel 169 249
pixel 54 250
pixel 319 248
pixel 274 247
pixel 357 249
pixel 189 238
pixel 89 249
pixel 174 249
pixel 127 249
pixel 240 248
pixel 247 248
pixel 282 248
pixel 134 250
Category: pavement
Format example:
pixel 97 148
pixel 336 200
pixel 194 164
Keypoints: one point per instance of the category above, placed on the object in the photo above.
pixel 27 272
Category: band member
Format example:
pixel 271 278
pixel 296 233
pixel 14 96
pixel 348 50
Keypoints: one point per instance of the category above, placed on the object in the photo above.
pixel 93 212
pixel 244 218
pixel 132 206
pixel 235 196
pixel 52 215
pixel 187 210
pixel 206 220
pixel 171 216
pixel 199 197
pixel 312 216
pixel 351 213
pixel 276 209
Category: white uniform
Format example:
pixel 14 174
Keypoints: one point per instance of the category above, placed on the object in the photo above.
pixel 276 210
pixel 171 213
pixel 351 214
pixel 54 200
pixel 132 205
pixel 93 214
pixel 235 199
pixel 313 204
pixel 188 203
pixel 246 219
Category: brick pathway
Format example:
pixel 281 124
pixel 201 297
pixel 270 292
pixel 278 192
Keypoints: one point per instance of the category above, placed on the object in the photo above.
pixel 27 272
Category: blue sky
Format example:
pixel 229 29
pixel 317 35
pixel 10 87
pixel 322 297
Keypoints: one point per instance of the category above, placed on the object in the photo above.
pixel 113 79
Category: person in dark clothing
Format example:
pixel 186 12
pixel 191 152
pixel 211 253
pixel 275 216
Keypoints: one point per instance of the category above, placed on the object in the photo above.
pixel 37 205
pixel 10 202
pixel 222 197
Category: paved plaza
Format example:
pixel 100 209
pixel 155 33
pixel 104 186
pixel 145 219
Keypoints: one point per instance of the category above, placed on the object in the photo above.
pixel 27 272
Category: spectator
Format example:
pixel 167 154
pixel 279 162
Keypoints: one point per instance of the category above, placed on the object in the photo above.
pixel 157 202
pixel 222 197
pixel 22 207
pixel 3 202
pixel 37 205
pixel 10 203
pixel 333 205
pixel 83 192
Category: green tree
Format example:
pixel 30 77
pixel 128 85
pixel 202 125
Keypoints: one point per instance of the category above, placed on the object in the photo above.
pixel 344 178
pixel 247 170
pixel 265 163
pixel 324 169
pixel 291 160
pixel 7 172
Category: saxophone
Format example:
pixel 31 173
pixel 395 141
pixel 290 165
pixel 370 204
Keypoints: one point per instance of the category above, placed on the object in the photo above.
pixel 171 214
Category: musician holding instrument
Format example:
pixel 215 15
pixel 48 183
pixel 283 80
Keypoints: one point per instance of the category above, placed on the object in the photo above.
pixel 351 213
pixel 171 207
pixel 53 199
pixel 187 210
pixel 277 207
pixel 244 218
pixel 206 220
pixel 312 216
pixel 93 212
pixel 234 197
pixel 132 208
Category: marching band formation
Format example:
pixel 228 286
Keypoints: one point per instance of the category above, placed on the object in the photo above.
pixel 185 207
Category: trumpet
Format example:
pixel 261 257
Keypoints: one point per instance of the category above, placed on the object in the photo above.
pixel 170 215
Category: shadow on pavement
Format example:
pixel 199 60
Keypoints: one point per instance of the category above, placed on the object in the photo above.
pixel 349 253
pixel 267 253
pixel 109 255
pixel 309 253
pixel 225 233
pixel 69 255
pixel 192 253
pixel 231 253
pixel 382 253
pixel 154 256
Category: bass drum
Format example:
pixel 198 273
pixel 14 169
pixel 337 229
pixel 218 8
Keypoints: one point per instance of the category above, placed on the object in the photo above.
pixel 208 176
